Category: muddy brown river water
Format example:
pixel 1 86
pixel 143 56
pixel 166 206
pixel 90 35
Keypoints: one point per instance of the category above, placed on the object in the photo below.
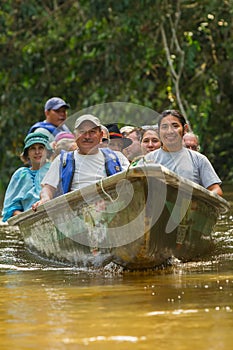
pixel 181 307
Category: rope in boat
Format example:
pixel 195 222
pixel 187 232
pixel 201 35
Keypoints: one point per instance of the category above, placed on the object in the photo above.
pixel 129 167
pixel 106 194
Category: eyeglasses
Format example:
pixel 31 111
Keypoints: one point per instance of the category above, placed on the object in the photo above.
pixel 194 148
pixel 105 140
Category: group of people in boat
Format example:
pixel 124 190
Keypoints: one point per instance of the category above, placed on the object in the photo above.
pixel 58 160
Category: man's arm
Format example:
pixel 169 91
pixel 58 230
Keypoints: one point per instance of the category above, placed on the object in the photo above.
pixel 216 189
pixel 46 194
pixel 49 183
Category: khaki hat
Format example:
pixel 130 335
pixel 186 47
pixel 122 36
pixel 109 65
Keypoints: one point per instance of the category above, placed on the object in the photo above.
pixel 87 117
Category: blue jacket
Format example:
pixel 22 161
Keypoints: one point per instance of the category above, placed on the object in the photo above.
pixel 23 190
pixel 67 168
pixel 48 126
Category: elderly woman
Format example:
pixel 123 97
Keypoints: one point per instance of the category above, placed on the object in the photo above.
pixel 24 187
pixel 63 141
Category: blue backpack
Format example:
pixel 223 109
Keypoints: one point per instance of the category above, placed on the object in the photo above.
pixel 48 126
pixel 67 168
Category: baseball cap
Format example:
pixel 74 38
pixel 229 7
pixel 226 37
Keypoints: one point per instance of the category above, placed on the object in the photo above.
pixel 87 117
pixel 55 103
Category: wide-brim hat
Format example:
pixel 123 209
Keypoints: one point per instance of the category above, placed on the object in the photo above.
pixel 115 133
pixel 36 137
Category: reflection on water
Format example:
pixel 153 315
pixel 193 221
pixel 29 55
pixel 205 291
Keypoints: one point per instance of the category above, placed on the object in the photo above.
pixel 71 309
pixel 53 307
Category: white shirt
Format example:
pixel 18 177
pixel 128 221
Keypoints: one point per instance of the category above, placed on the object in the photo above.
pixel 88 170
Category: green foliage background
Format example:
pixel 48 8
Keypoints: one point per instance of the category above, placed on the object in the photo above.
pixel 156 53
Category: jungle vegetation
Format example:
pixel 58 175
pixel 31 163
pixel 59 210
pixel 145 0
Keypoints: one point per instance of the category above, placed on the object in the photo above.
pixel 159 54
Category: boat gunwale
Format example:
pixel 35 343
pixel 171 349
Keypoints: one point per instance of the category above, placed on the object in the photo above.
pixel 148 170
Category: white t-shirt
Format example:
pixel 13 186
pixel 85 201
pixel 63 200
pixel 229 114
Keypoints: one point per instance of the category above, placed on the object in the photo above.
pixel 88 170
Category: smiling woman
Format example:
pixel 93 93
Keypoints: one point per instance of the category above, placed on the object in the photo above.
pixel 183 161
pixel 24 187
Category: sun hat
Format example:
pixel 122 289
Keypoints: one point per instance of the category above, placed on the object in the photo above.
pixel 64 135
pixel 115 133
pixel 36 137
pixel 87 117
pixel 55 103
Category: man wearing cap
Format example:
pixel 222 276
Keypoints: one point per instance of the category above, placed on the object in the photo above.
pixel 56 113
pixel 90 160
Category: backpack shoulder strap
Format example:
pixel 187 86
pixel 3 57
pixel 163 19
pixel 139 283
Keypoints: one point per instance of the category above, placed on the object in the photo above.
pixel 112 162
pixel 66 171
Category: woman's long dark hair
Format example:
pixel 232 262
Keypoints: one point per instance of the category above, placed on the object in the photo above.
pixel 174 113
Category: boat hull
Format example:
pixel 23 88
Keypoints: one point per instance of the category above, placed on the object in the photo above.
pixel 137 219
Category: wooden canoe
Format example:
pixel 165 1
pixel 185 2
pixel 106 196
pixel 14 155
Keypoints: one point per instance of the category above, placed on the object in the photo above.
pixel 138 219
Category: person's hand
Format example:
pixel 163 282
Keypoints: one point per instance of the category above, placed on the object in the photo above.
pixel 36 205
pixel 46 194
pixel 17 212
